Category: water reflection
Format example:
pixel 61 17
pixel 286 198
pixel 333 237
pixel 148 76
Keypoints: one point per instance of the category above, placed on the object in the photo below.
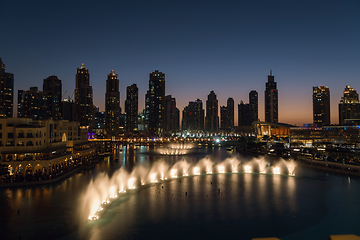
pixel 159 208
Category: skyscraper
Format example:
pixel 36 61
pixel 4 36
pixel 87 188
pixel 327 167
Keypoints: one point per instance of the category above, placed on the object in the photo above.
pixel 6 91
pixel 349 106
pixel 223 117
pixel 244 114
pixel 52 88
pixel 253 101
pixel 20 105
pixel 193 116
pixel 321 106
pixel 212 116
pixel 172 115
pixel 156 96
pixel 112 105
pixel 131 108
pixel 84 109
pixel 34 104
pixel 271 100
pixel 230 113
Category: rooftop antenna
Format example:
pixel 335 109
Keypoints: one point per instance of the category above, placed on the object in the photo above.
pixel 270 72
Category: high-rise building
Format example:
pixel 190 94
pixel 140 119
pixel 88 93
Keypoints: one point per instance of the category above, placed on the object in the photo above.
pixel 131 108
pixel 21 96
pixel 68 108
pixel 244 114
pixel 156 96
pixel 52 88
pixel 112 104
pixel 321 106
pixel 172 115
pixel 271 100
pixel 193 116
pixel 349 106
pixel 34 103
pixel 6 92
pixel 84 109
pixel 212 116
pixel 253 101
pixel 223 117
pixel 230 113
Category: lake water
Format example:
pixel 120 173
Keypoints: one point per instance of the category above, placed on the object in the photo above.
pixel 312 205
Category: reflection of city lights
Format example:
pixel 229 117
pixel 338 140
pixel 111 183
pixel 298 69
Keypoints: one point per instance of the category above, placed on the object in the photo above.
pixel 247 169
pixel 221 169
pixel 276 170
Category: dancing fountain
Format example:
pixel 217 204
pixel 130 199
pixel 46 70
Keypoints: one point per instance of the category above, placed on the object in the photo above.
pixel 176 149
pixel 262 165
pixel 103 189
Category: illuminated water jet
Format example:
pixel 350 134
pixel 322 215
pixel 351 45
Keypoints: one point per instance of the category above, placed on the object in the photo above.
pixel 247 169
pixel 276 170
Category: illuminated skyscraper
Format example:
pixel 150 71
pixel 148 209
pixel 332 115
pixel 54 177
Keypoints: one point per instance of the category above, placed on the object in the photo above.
pixel 112 105
pixel 172 115
pixel 212 116
pixel 84 109
pixel 156 96
pixel 33 105
pixel 52 88
pixel 321 106
pixel 349 106
pixel 6 92
pixel 271 100
pixel 131 108
pixel 253 101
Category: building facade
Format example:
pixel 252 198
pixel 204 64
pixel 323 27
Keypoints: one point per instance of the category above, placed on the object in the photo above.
pixel 84 109
pixel 112 104
pixel 156 98
pixel 271 100
pixel 321 106
pixel 212 116
pixel 131 108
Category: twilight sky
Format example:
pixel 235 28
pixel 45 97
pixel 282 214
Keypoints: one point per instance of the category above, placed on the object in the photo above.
pixel 225 46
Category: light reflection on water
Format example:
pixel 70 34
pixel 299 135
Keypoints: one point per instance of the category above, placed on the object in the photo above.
pixel 155 212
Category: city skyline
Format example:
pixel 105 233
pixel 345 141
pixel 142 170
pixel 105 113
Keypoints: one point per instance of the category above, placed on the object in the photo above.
pixel 306 44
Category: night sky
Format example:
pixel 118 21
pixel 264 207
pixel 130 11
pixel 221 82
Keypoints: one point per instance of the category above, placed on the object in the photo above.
pixel 225 46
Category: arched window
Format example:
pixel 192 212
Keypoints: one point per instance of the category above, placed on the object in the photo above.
pixel 29 143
